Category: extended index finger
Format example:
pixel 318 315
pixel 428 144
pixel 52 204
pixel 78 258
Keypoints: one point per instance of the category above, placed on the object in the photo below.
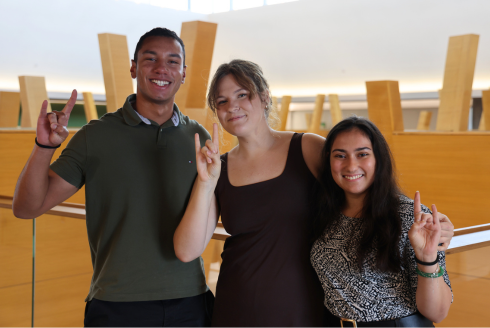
pixel 215 135
pixel 69 105
pixel 417 207
pixel 198 143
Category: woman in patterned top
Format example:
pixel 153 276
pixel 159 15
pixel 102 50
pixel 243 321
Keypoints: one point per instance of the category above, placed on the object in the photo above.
pixel 377 250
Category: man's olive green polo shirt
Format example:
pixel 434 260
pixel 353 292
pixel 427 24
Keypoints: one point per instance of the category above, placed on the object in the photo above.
pixel 138 179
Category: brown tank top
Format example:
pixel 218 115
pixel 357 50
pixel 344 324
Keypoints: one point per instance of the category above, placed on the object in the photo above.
pixel 266 278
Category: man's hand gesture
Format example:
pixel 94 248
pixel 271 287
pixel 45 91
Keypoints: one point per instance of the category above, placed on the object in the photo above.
pixel 51 127
pixel 208 160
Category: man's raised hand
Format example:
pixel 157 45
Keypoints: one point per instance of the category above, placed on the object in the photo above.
pixel 51 127
pixel 208 161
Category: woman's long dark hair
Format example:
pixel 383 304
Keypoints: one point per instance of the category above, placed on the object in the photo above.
pixel 380 213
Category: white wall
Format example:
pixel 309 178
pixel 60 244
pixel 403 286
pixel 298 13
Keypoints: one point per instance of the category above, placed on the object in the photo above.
pixel 58 38
pixel 327 46
pixel 304 47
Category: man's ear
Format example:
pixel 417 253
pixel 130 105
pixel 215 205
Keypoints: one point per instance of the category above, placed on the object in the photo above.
pixel 183 75
pixel 133 69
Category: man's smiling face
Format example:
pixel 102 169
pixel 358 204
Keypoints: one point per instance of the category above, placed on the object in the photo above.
pixel 159 70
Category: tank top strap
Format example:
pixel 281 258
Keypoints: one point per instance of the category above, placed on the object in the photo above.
pixel 295 159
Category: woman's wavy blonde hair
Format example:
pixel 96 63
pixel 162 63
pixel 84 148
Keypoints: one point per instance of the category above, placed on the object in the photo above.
pixel 250 77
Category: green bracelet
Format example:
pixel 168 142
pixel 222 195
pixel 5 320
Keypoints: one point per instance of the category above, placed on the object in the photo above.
pixel 431 275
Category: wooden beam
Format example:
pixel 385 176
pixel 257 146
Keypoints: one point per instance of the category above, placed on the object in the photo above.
pixel 335 110
pixel 199 40
pixel 384 107
pixel 32 94
pixel 114 55
pixel 9 109
pixel 458 81
pixel 89 107
pixel 283 114
pixel 424 120
pixel 485 115
pixel 316 118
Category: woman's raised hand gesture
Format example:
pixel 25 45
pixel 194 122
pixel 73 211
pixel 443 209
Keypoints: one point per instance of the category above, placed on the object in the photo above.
pixel 208 158
pixel 425 232
pixel 51 127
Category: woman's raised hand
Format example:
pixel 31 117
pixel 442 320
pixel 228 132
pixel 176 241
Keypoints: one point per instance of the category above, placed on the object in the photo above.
pixel 51 127
pixel 208 158
pixel 425 232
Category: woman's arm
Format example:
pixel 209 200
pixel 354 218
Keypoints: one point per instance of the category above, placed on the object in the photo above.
pixel 433 294
pixel 312 145
pixel 201 216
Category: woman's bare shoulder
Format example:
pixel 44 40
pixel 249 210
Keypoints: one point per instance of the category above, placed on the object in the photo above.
pixel 312 145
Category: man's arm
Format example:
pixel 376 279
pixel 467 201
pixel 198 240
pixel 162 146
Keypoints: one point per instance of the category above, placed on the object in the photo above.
pixel 39 188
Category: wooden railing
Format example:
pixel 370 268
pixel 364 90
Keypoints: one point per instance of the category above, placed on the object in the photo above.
pixel 464 239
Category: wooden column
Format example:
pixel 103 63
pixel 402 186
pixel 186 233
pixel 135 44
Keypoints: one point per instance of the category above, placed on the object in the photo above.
pixel 424 120
pixel 9 109
pixel 384 107
pixel 458 80
pixel 335 110
pixel 283 114
pixel 199 40
pixel 89 107
pixel 114 55
pixel 316 118
pixel 485 115
pixel 32 94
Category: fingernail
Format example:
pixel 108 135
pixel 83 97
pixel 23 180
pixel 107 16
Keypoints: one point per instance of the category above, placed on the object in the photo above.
pixel 53 126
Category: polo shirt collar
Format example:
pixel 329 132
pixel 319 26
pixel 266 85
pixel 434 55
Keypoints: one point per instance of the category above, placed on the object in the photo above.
pixel 133 118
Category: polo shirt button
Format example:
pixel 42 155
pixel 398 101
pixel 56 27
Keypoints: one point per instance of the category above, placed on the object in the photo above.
pixel 161 130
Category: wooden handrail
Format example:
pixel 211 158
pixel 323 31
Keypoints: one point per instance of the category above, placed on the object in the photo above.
pixel 464 239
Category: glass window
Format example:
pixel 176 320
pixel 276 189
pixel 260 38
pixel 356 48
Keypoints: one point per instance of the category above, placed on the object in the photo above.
pixel 173 4
pixel 210 6
pixel 244 4
pixel 274 2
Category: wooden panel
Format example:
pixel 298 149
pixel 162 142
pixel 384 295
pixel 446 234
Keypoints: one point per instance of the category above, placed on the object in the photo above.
pixel 32 94
pixel 115 67
pixel 199 40
pixel 15 148
pixel 470 280
pixel 458 81
pixel 16 272
pixel 283 114
pixel 9 109
pixel 314 126
pixel 424 120
pixel 445 169
pixel 89 107
pixel 485 116
pixel 335 110
pixel 384 107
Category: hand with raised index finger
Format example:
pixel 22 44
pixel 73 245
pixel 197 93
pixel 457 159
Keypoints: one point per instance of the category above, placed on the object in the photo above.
pixel 208 160
pixel 425 232
pixel 51 127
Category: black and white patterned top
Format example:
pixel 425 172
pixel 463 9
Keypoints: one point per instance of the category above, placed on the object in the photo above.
pixel 370 295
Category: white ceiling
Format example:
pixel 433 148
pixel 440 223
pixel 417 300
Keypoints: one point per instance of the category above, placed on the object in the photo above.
pixel 304 47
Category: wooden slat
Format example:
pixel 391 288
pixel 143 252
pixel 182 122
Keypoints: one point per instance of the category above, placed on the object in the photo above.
pixel 9 109
pixel 384 107
pixel 335 111
pixel 458 81
pixel 424 120
pixel 472 229
pixel 89 107
pixel 32 94
pixel 114 55
pixel 485 115
pixel 199 40
pixel 316 118
pixel 283 114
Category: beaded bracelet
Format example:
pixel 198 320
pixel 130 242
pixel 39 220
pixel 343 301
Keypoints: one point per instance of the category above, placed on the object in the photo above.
pixel 437 274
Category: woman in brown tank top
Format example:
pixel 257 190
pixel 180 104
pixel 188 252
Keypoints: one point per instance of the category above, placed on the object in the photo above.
pixel 262 189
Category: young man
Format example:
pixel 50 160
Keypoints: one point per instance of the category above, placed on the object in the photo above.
pixel 138 167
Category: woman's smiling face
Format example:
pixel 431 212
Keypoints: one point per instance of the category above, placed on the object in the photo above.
pixel 237 113
pixel 353 163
